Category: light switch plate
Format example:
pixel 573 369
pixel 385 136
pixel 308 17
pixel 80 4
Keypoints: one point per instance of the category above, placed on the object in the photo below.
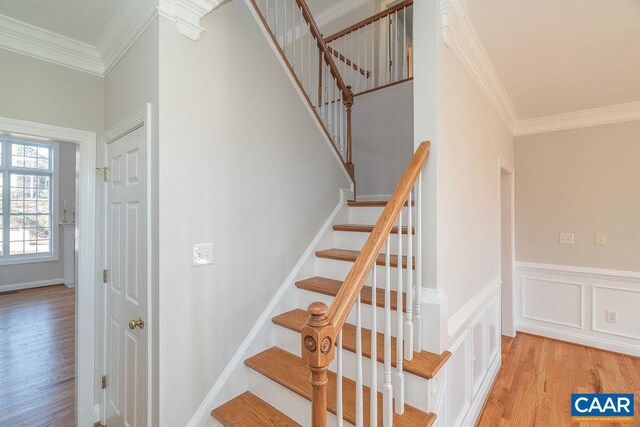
pixel 599 239
pixel 567 238
pixel 202 254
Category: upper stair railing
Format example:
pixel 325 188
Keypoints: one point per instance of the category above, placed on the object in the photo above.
pixel 297 37
pixel 322 334
pixel 378 51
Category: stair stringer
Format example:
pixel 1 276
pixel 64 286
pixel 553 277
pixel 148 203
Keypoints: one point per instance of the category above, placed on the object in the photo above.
pixel 234 379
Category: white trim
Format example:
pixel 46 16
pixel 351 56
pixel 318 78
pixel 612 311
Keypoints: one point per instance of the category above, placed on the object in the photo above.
pixel 204 409
pixel 461 317
pixel 593 310
pixel 572 337
pixel 86 232
pixel 482 393
pixel 458 33
pixel 130 21
pixel 301 94
pixel 505 166
pixel 579 119
pixel 29 285
pixel 26 39
pixel 187 14
pixel 633 276
pixel 140 118
pixel 523 282
pixel 338 10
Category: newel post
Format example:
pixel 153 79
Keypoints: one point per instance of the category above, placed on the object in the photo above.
pixel 317 350
pixel 348 103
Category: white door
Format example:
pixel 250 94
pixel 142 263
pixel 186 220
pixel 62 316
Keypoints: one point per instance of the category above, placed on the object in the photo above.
pixel 126 337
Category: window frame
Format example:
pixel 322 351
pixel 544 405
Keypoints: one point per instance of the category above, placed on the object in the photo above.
pixel 6 169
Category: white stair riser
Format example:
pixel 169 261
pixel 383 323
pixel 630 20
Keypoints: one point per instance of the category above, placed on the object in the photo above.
pixel 293 405
pixel 356 240
pixel 416 388
pixel 370 215
pixel 307 297
pixel 338 270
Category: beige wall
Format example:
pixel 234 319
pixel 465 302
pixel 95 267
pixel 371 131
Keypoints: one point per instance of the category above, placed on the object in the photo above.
pixel 255 180
pixel 382 123
pixel 583 181
pixel 471 137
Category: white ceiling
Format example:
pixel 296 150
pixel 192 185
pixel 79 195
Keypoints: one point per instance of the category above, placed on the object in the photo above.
pixel 560 56
pixel 82 20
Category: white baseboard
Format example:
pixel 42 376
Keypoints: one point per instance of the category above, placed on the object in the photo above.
pixel 578 313
pixel 240 355
pixel 29 285
pixel 96 413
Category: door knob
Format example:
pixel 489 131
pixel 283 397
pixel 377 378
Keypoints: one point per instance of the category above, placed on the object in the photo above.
pixel 136 323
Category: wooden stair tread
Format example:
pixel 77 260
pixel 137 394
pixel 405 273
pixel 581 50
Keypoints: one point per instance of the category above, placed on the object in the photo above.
pixel 292 372
pixel 372 203
pixel 424 364
pixel 248 409
pixel 330 287
pixel 351 255
pixel 364 228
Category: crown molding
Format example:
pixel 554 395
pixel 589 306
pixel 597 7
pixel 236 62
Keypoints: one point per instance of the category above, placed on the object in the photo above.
pixel 20 37
pixel 458 34
pixel 131 19
pixel 579 119
pixel 187 14
pixel 337 10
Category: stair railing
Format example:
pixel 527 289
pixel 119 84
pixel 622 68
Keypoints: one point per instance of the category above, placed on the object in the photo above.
pixel 381 45
pixel 306 54
pixel 322 334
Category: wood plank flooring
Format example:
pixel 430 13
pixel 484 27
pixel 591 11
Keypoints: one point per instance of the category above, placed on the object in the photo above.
pixel 37 357
pixel 538 375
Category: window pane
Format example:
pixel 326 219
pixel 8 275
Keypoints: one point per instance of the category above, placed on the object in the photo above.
pixel 30 225
pixel 30 156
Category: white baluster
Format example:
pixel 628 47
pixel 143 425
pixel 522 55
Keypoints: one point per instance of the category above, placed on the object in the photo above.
pixel 373 402
pixel 359 383
pixel 357 64
pixel 387 388
pixel 396 70
pixel 336 129
pixel 339 411
pixel 408 323
pixel 417 319
pixel 405 71
pixel 284 26
pixel 399 387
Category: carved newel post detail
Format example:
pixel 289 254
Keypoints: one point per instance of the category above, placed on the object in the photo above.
pixel 317 350
pixel 348 103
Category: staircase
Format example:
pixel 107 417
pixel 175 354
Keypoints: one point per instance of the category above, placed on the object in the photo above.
pixel 349 351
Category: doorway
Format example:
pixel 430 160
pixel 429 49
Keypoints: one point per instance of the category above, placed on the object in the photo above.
pixel 507 247
pixel 82 303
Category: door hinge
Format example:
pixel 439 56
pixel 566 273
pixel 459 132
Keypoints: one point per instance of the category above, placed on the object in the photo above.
pixel 105 276
pixel 104 381
pixel 105 173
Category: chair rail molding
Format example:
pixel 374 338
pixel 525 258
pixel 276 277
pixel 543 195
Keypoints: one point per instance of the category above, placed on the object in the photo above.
pixel 187 14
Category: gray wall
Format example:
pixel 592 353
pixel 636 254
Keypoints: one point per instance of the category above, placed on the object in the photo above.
pixel 382 138
pixel 255 180
pixel 582 181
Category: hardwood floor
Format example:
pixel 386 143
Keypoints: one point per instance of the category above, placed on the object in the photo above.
pixel 538 375
pixel 37 352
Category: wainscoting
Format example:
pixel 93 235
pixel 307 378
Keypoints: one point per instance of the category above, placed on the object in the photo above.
pixel 571 303
pixel 474 334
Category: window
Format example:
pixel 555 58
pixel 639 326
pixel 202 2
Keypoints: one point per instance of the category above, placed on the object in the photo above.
pixel 27 202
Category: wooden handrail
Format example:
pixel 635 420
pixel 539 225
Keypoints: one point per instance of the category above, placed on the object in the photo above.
pixel 320 332
pixel 368 20
pixel 322 45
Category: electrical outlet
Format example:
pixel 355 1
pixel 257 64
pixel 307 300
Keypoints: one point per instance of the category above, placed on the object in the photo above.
pixel 612 316
pixel 567 238
pixel 202 254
